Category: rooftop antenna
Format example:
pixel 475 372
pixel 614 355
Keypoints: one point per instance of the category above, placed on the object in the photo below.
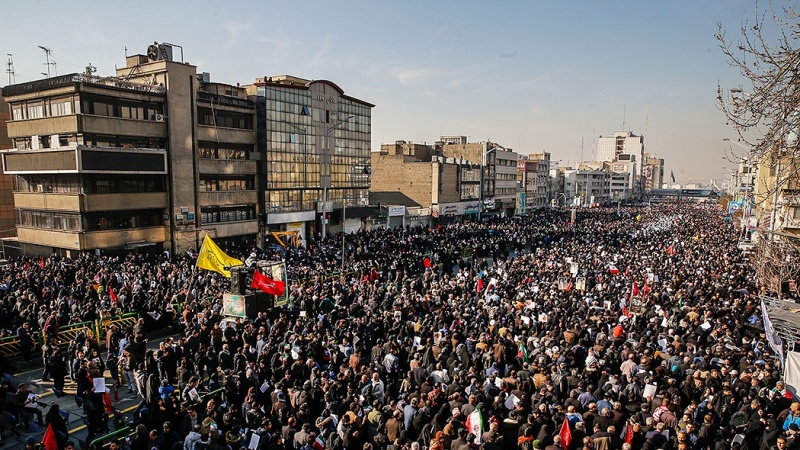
pixel 624 108
pixel 12 78
pixel 581 148
pixel 47 52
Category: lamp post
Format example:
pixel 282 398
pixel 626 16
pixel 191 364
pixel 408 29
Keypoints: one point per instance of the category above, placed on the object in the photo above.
pixel 483 169
pixel 326 173
pixel 561 194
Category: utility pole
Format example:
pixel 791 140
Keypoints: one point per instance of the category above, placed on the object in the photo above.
pixel 47 52
pixel 12 79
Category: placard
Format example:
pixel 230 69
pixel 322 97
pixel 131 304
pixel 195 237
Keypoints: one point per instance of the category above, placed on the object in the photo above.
pixel 562 284
pixel 637 305
pixel 99 385
pixel 580 284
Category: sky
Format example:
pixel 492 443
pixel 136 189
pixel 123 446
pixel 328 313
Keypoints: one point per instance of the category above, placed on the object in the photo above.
pixel 530 75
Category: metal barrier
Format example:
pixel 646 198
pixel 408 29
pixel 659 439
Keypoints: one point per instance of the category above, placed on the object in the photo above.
pixel 70 332
pixel 10 346
pixel 99 442
pixel 123 321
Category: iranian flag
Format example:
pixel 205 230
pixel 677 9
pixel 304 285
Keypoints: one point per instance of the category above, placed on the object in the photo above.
pixel 613 270
pixel 475 424
pixel 634 290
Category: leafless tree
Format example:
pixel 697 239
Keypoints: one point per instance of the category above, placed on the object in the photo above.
pixel 765 113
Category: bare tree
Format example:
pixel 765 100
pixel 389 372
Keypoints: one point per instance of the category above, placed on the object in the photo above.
pixel 765 113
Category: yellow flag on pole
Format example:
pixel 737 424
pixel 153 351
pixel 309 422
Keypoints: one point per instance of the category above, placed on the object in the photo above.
pixel 214 259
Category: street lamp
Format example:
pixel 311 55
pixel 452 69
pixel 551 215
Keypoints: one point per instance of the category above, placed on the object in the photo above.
pixel 483 169
pixel 326 175
pixel 366 170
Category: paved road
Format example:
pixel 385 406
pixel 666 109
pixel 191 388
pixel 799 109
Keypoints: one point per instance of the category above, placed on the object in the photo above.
pixel 124 401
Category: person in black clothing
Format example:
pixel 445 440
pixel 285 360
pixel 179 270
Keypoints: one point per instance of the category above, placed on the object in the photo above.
pixel 58 370
pixel 54 419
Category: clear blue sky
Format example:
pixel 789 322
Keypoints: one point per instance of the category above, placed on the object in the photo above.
pixel 531 75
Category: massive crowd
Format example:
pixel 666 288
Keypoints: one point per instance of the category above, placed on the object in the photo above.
pixel 516 333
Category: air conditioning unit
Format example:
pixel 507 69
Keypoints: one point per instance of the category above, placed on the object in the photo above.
pixel 159 117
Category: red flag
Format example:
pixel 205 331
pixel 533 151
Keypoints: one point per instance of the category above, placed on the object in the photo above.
pixel 569 286
pixel 41 263
pixel 479 288
pixel 49 439
pixel 107 403
pixel 565 433
pixel 671 249
pixel 426 262
pixel 629 433
pixel 625 312
pixel 634 290
pixel 267 284
pixel 112 295
pixel 373 275
pixel 646 291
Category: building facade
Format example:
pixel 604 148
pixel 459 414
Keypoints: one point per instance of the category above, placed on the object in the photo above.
pixel 447 188
pixel 316 141
pixel 7 219
pixel 621 142
pixel 653 172
pixel 499 173
pixel 151 159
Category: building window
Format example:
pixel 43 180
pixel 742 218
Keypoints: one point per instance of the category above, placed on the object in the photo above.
pixel 238 213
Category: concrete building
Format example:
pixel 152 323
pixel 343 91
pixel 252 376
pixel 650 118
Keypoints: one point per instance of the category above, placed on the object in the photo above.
pixel 447 187
pixel 499 190
pixel 653 172
pixel 592 187
pixel 621 142
pixel 7 218
pixel 153 158
pixel 533 177
pixel 315 139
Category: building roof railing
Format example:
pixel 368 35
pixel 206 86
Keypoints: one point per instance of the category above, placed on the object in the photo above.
pixel 69 79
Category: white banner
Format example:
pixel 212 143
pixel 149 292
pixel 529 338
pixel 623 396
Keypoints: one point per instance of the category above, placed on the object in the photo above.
pixel 775 342
pixel 792 373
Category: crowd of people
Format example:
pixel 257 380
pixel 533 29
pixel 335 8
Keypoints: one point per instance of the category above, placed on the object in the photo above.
pixel 627 329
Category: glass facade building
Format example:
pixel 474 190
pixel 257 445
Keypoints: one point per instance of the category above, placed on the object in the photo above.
pixel 312 136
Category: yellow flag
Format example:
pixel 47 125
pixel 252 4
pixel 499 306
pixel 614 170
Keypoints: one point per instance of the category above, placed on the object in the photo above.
pixel 213 259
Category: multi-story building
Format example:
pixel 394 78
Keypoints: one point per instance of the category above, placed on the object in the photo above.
pixel 153 158
pixel 533 177
pixel 592 187
pixel 447 187
pixel 317 143
pixel 7 222
pixel 543 193
pixel 499 189
pixel 653 172
pixel 621 142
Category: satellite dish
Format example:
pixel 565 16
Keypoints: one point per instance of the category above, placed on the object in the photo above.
pixel 153 52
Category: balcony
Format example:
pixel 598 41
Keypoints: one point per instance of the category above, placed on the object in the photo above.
pixel 90 240
pixel 122 127
pixel 226 198
pixel 227 135
pixel 228 166
pixel 227 229
pixel 89 203
pixel 44 126
pixel 85 159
